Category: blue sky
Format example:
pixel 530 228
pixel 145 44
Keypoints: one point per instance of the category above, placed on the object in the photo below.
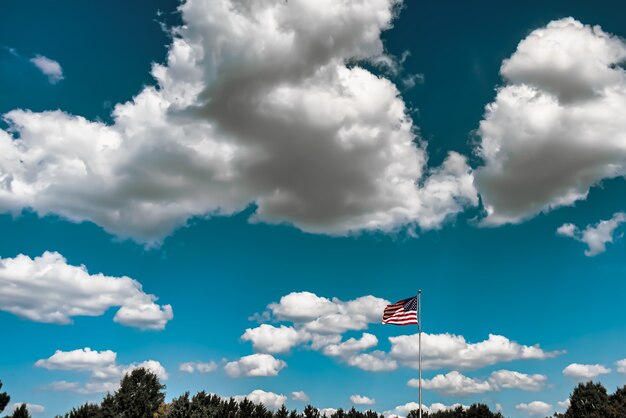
pixel 273 157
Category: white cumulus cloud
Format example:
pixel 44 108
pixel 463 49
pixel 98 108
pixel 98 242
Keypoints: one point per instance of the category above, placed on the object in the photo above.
pixel 200 367
pixel 269 399
pixel 621 366
pixel 300 396
pixel 259 103
pixel 255 365
pixel 448 350
pixel 585 371
pixel 456 384
pixel 270 339
pixel 48 289
pixel 362 400
pixel 104 371
pixel 595 236
pixel 535 408
pixel 49 67
pixel 556 128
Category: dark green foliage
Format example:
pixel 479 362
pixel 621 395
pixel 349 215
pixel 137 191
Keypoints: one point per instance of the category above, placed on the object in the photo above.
pixel 589 400
pixel 180 407
pixel 283 412
pixel 310 412
pixel 21 412
pixel 246 408
pixel 140 395
pixel 4 399
pixel 87 410
pixel 474 411
pixel 108 407
pixel 617 403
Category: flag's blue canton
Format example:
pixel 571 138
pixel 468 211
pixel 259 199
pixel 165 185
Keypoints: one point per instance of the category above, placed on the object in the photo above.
pixel 410 304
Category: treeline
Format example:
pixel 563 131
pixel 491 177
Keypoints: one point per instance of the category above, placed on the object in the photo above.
pixel 141 395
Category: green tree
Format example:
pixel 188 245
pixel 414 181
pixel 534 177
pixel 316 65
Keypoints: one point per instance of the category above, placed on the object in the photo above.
pixel 180 407
pixel 140 394
pixel 618 403
pixel 108 407
pixel 4 399
pixel 21 412
pixel 589 400
pixel 282 412
pixel 87 410
pixel 310 412
pixel 246 408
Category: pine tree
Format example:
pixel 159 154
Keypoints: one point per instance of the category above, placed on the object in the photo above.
pixel 283 412
pixel 310 412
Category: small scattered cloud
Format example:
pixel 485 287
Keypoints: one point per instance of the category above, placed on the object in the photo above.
pixel 585 371
pixel 564 404
pixel 200 367
pixel 255 365
pixel 49 67
pixel 595 236
pixel 269 399
pixel 535 408
pixel 621 366
pixel 361 400
pixel 300 396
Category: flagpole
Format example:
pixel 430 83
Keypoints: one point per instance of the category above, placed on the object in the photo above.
pixel 419 328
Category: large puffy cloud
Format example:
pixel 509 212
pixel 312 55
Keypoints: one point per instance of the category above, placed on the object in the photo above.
pixel 456 384
pixel 47 289
pixel 557 127
pixel 104 371
pixel 621 366
pixel 255 105
pixel 585 371
pixel 255 365
pixel 595 236
pixel 447 350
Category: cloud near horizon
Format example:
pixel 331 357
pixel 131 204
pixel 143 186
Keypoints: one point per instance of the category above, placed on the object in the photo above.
pixel 104 371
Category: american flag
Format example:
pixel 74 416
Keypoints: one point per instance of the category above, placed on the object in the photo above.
pixel 403 312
